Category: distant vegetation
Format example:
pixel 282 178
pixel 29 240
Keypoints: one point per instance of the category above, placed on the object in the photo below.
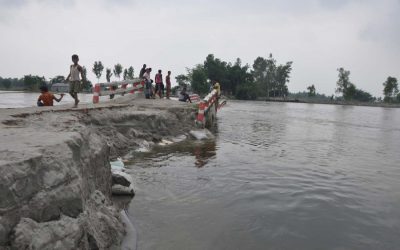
pixel 33 82
pixel 349 90
pixel 267 79
pixel 264 79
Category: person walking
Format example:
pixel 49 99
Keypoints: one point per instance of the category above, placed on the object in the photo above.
pixel 168 83
pixel 74 80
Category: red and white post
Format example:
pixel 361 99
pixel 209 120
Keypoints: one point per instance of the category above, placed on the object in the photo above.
pixel 96 93
pixel 200 114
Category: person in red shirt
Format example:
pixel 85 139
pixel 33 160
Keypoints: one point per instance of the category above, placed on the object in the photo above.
pixel 159 83
pixel 168 83
pixel 46 98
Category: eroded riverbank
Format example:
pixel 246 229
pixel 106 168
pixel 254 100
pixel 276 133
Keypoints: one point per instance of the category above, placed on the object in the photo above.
pixel 55 178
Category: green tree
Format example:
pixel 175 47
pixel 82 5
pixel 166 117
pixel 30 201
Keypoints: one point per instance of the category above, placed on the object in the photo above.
pixel 362 96
pixel 57 79
pixel 390 89
pixel 311 90
pixel 216 69
pixel 108 74
pixel 6 83
pixel 86 84
pixel 118 70
pixel 98 69
pixel 259 73
pixel 198 79
pixel 344 85
pixel 182 80
pixel 236 79
pixel 246 92
pixel 282 77
pixel 237 75
pixel 270 76
pixel 229 75
pixel 33 82
pixel 350 92
pixel 131 72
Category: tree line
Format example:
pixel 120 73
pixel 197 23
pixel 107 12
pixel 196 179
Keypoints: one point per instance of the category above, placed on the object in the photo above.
pixel 267 78
pixel 350 92
pixel 127 73
pixel 33 82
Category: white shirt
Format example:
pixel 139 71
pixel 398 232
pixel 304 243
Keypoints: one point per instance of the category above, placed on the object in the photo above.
pixel 74 73
pixel 147 76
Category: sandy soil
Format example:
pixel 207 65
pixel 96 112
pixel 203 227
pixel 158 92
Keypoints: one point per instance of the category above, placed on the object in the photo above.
pixel 55 171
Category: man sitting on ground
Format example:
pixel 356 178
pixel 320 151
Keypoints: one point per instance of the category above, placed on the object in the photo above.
pixel 46 98
pixel 184 97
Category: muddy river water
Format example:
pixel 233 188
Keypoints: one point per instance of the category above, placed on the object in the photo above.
pixel 276 176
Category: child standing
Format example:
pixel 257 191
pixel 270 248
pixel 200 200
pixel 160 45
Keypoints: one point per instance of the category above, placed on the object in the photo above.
pixel 74 79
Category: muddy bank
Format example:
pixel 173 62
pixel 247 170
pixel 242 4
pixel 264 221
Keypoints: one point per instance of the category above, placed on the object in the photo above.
pixel 55 178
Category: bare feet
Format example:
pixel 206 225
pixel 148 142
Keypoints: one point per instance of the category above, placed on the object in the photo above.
pixel 76 103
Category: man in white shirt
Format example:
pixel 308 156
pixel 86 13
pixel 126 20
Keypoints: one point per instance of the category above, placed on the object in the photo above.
pixel 148 91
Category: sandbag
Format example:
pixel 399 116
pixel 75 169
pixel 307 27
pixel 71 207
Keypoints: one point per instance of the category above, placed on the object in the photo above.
pixel 122 183
pixel 122 190
pixel 117 165
pixel 202 134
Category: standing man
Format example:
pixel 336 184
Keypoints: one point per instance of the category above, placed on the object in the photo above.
pixel 217 87
pixel 148 81
pixel 74 80
pixel 159 82
pixel 142 71
pixel 168 83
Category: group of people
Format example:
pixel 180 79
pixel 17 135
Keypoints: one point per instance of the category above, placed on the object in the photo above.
pixel 160 88
pixel 76 75
pixel 74 78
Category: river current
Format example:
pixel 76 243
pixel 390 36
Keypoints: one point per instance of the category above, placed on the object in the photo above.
pixel 276 176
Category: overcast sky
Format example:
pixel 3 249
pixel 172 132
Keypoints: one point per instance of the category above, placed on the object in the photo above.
pixel 363 36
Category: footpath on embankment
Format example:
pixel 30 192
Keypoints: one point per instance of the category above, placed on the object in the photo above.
pixel 55 175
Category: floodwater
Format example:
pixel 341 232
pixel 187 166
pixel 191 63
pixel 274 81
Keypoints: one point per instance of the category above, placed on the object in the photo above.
pixel 277 176
pixel 19 99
